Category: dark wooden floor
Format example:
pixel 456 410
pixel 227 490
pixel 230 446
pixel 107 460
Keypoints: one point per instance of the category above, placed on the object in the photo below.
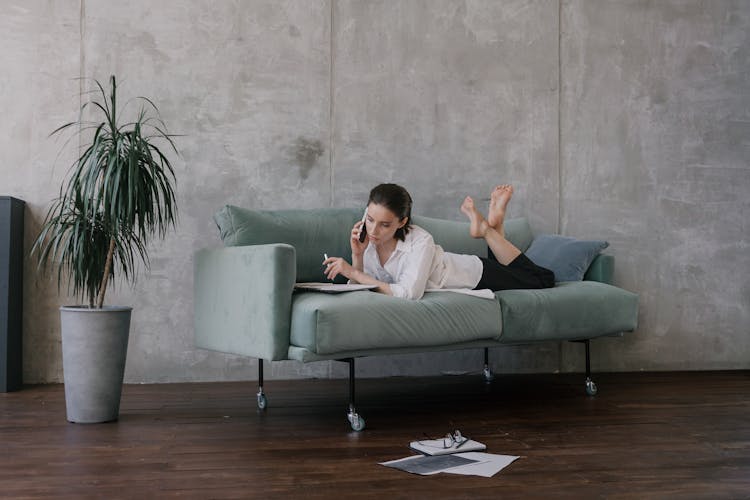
pixel 646 435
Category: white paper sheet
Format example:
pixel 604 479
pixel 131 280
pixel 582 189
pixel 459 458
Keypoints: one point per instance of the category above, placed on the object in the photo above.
pixel 482 464
pixel 484 293
pixel 426 465
pixel 486 465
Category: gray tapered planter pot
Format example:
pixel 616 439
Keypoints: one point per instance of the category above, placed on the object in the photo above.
pixel 95 345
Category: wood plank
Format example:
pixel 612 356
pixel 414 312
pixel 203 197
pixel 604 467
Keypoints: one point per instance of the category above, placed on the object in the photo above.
pixel 645 435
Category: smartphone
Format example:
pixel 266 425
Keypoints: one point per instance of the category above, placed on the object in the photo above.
pixel 363 232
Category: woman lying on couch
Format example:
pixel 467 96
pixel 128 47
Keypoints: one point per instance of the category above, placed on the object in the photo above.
pixel 403 260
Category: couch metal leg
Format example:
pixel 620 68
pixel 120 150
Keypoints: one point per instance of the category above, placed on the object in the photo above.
pixel 488 376
pixel 591 388
pixel 262 400
pixel 355 420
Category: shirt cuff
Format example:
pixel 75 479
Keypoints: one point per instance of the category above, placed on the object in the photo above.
pixel 402 292
pixel 398 291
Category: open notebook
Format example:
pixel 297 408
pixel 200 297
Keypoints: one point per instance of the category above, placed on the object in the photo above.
pixel 332 287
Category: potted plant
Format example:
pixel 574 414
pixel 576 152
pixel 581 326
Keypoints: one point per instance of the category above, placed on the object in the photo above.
pixel 118 195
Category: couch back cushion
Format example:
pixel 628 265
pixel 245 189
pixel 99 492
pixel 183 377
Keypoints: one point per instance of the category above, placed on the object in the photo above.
pixel 518 232
pixel 313 232
pixel 454 237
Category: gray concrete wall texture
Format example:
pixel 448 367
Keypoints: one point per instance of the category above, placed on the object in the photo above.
pixel 622 120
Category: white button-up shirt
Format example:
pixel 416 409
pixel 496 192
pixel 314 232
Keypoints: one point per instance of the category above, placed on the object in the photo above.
pixel 418 264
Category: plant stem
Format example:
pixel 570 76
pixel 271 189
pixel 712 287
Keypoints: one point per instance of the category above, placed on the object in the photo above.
pixel 105 278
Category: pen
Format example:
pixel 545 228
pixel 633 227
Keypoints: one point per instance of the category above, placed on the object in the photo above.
pixel 325 256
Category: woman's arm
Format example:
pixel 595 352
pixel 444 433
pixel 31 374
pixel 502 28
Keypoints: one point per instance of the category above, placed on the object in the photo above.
pixel 415 271
pixel 358 249
pixel 337 265
pixel 358 263
pixel 362 277
pixel 412 278
pixel 355 272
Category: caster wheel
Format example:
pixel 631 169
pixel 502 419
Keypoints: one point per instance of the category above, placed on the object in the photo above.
pixel 357 422
pixel 262 401
pixel 591 389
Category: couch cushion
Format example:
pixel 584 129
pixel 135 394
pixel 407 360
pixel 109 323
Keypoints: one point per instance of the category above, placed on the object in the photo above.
pixel 568 258
pixel 454 237
pixel 518 232
pixel 311 232
pixel 569 311
pixel 602 269
pixel 326 324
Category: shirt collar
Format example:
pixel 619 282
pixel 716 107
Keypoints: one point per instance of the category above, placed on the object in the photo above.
pixel 400 246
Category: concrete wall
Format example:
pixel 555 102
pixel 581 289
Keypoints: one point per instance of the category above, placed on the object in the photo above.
pixel 655 157
pixel 621 120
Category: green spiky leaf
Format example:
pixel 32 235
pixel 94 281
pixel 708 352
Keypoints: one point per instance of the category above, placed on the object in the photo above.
pixel 119 191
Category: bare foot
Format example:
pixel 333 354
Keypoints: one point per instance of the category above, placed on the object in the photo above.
pixel 498 202
pixel 478 226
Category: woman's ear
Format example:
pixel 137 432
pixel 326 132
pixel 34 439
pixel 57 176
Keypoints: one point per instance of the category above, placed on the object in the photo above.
pixel 402 222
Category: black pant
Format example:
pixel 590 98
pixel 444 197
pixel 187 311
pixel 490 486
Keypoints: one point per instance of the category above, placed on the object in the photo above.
pixel 520 274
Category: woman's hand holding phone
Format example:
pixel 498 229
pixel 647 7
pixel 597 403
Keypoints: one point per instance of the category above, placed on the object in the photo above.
pixel 359 240
pixel 358 246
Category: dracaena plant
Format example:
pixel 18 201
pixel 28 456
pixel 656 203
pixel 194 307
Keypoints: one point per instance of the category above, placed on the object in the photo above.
pixel 119 193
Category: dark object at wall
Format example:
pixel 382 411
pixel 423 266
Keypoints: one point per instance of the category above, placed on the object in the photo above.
pixel 11 293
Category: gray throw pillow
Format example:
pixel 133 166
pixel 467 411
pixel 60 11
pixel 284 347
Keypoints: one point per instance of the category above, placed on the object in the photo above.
pixel 568 258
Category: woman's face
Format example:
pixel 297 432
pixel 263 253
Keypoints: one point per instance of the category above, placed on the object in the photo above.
pixel 381 224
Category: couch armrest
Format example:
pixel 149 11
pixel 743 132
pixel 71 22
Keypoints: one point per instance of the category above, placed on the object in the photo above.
pixel 602 269
pixel 243 299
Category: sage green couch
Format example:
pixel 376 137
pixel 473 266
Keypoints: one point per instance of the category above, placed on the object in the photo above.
pixel 245 301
